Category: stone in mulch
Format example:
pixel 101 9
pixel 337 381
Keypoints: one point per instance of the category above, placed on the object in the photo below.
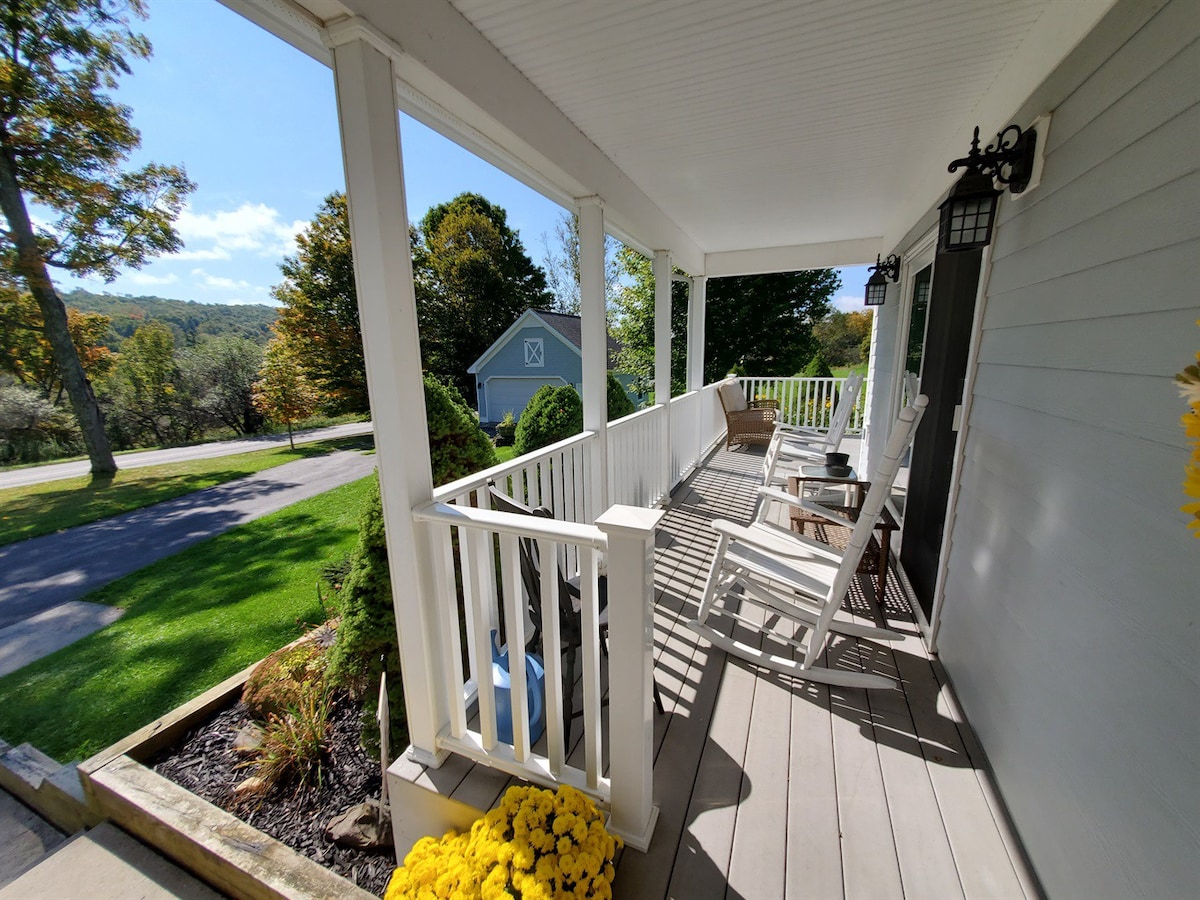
pixel 207 764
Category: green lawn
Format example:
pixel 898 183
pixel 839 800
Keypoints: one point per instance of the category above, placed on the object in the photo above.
pixel 46 508
pixel 190 621
pixel 505 454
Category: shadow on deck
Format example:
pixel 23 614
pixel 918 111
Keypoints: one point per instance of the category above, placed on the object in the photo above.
pixel 769 786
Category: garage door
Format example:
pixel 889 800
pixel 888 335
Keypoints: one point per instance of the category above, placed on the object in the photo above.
pixel 503 394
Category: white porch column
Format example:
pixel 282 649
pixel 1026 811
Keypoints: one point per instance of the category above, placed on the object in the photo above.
pixel 695 354
pixel 595 346
pixel 630 533
pixel 662 355
pixel 695 358
pixel 369 121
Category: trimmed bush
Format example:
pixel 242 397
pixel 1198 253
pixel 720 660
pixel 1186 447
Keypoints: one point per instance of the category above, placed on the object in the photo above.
pixel 553 414
pixel 457 445
pixel 619 403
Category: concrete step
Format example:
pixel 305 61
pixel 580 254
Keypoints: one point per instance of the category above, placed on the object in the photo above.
pixel 105 864
pixel 50 788
pixel 25 838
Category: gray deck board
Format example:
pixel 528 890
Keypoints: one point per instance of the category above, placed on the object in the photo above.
pixel 769 786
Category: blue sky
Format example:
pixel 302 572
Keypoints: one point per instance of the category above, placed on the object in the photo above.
pixel 255 125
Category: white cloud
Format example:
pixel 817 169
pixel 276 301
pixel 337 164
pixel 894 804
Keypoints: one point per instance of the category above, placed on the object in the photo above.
pixel 145 279
pixel 221 283
pixel 251 228
pixel 849 303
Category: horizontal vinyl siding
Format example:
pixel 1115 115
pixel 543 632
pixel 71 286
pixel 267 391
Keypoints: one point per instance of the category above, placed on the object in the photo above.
pixel 559 359
pixel 1072 585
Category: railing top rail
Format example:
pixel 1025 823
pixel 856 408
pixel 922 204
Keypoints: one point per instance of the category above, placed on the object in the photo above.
pixel 480 480
pixel 641 413
pixel 512 523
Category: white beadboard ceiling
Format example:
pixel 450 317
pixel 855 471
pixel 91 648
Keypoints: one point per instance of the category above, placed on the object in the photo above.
pixel 747 123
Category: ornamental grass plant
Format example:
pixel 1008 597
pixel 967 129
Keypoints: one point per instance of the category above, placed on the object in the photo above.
pixel 536 845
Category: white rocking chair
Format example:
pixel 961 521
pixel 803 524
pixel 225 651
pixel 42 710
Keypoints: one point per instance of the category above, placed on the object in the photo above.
pixel 798 444
pixel 799 582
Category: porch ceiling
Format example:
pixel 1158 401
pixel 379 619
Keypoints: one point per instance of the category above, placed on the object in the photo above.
pixel 749 125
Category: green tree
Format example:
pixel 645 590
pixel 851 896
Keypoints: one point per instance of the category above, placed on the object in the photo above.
pixel 473 278
pixel 762 324
pixel 63 141
pixel 218 376
pixel 283 392
pixel 142 389
pixel 844 337
pixel 457 445
pixel 320 311
pixel 634 326
pixel 560 262
pixel 817 367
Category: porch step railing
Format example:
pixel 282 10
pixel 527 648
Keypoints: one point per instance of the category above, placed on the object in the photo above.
pixel 807 402
pixel 478 564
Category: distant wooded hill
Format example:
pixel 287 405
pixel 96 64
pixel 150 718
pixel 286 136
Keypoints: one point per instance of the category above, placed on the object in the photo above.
pixel 188 319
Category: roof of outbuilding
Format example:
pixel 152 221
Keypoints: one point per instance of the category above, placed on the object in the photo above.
pixel 568 327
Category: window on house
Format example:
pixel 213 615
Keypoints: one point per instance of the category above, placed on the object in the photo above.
pixel 534 355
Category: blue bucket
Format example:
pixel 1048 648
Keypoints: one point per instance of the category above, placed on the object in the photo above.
pixel 535 689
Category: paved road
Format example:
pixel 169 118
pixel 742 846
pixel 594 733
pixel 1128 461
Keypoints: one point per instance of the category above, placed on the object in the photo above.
pixel 59 471
pixel 45 572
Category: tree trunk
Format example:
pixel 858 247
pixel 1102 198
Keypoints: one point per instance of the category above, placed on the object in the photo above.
pixel 291 440
pixel 32 268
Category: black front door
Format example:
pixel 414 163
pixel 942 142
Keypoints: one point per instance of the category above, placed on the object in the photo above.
pixel 943 372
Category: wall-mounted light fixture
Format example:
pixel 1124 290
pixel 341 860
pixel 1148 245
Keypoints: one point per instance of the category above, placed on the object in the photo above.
pixel 969 212
pixel 877 283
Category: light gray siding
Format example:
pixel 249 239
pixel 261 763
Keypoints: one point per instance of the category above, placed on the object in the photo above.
pixel 1072 585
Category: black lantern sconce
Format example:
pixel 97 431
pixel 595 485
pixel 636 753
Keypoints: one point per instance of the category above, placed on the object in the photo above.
pixel 884 271
pixel 969 212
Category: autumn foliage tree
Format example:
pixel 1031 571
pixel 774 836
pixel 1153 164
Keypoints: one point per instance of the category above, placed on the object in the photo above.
pixel 26 354
pixel 283 392
pixel 320 310
pixel 63 141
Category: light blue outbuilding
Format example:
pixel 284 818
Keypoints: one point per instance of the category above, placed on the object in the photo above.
pixel 539 348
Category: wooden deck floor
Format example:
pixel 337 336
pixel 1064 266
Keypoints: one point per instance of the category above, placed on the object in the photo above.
pixel 771 787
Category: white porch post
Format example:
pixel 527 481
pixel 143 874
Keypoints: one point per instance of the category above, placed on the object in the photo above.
pixel 595 346
pixel 369 122
pixel 695 358
pixel 662 355
pixel 630 532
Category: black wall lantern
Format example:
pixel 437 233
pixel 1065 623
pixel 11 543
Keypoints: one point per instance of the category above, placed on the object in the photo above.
pixel 877 283
pixel 969 212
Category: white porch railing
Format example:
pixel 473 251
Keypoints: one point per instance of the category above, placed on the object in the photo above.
pixel 636 476
pixel 696 424
pixel 808 402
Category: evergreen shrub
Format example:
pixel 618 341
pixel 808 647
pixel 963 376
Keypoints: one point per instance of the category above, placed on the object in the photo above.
pixel 553 414
pixel 619 403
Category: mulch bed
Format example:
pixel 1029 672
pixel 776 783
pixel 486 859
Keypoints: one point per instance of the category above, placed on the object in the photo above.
pixel 206 764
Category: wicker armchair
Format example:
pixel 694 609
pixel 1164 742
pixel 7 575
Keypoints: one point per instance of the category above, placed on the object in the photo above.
pixel 750 422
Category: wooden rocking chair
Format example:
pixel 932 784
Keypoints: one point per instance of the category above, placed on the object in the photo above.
pixel 799 583
pixel 797 444
pixel 746 423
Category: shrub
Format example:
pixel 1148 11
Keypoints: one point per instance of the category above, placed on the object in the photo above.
pixel 276 684
pixel 366 643
pixel 506 430
pixel 294 743
pixel 619 403
pixel 457 445
pixel 817 367
pixel 32 428
pixel 553 414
